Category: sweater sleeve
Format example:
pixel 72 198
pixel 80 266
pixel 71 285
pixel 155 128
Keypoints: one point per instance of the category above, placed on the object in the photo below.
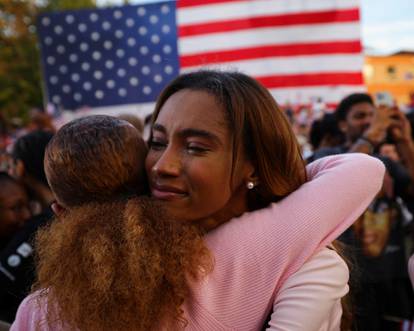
pixel 256 252
pixel 311 298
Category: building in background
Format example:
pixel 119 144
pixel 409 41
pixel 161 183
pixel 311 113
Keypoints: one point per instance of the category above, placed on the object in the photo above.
pixel 391 73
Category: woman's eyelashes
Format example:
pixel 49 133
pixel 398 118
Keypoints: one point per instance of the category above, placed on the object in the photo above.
pixel 191 147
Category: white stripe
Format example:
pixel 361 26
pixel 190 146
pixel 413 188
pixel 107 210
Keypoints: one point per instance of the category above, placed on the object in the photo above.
pixel 292 65
pixel 269 36
pixel 305 95
pixel 247 9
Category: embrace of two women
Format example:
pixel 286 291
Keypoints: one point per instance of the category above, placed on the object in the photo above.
pixel 215 224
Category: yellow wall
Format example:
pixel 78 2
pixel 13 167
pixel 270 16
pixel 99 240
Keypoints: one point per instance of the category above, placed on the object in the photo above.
pixel 392 73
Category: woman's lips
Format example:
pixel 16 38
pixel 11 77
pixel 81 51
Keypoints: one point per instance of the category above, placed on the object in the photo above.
pixel 167 192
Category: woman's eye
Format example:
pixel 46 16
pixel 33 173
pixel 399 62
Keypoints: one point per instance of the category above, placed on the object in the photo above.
pixel 196 149
pixel 157 145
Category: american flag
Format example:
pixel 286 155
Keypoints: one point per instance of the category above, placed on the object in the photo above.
pixel 299 49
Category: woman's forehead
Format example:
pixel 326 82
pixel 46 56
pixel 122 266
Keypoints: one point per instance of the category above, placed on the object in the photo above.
pixel 193 109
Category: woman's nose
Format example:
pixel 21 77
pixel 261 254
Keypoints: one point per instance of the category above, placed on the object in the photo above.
pixel 169 164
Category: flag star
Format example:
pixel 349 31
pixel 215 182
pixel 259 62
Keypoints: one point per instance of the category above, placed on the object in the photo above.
pixel 142 30
pixel 129 22
pixel 110 84
pixel 167 49
pixel 109 64
pixel 166 29
pixel 145 70
pixel 168 69
pixel 122 92
pixel 121 72
pixel 45 21
pixel 147 90
pixel 71 38
pixel 165 9
pixel 69 19
pixel 58 29
pixel 60 49
pixel 75 77
pixel 84 47
pixel 53 80
pixel 143 50
pixel 87 86
pixel 82 27
pixel 94 17
pixel 63 69
pixel 131 42
pixel 119 34
pixel 96 55
pixel 77 96
pixel 99 94
pixel 106 25
pixel 56 99
pixel 120 52
pixel 155 39
pixel 156 58
pixel 51 60
pixel 95 36
pixel 48 40
pixel 85 66
pixel 134 81
pixel 132 61
pixel 73 58
pixel 158 78
pixel 107 44
pixel 117 14
pixel 66 89
pixel 98 74
pixel 154 19
pixel 141 11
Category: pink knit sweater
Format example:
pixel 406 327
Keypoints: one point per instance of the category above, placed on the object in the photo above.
pixel 255 253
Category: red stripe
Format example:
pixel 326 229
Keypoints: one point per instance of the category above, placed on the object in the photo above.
pixel 332 16
pixel 339 47
pixel 194 3
pixel 334 78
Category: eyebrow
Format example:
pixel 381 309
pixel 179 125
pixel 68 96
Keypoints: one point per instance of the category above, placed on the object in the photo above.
pixel 190 132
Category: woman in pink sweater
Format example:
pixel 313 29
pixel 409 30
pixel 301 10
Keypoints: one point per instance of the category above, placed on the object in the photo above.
pixel 206 173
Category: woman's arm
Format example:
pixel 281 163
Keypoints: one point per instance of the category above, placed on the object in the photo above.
pixel 255 253
pixel 311 298
pixel 411 269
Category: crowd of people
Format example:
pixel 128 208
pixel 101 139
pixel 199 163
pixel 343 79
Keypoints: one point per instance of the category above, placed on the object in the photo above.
pixel 228 213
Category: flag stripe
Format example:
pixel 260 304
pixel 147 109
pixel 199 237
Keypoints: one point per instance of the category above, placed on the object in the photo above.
pixel 333 78
pixel 349 15
pixel 249 9
pixel 192 3
pixel 268 36
pixel 306 94
pixel 207 58
pixel 292 65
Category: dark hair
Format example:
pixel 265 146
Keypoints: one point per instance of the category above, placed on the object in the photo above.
pixel 259 128
pixel 6 178
pixel 30 149
pixel 325 126
pixel 345 105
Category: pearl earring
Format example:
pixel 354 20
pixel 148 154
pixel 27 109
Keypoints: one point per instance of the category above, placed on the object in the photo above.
pixel 250 185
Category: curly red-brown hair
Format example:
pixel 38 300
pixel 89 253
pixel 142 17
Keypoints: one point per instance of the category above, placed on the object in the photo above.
pixel 112 260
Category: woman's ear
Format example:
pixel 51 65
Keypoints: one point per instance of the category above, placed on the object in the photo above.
pixel 57 208
pixel 251 174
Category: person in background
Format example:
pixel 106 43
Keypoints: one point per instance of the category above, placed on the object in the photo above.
pixel 16 257
pixel 14 214
pixel 385 299
pixel 325 133
pixel 134 120
pixel 40 121
pixel 28 153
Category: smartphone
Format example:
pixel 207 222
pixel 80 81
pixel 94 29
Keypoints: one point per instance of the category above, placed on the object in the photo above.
pixel 384 99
